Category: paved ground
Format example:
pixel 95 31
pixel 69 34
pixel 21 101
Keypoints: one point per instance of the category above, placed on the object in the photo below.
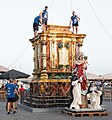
pixel 52 115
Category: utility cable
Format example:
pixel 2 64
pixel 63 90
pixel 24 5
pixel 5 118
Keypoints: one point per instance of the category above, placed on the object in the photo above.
pixel 99 20
pixel 19 56
pixel 51 4
pixel 70 6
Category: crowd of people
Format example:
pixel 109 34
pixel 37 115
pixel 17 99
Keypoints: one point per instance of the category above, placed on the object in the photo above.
pixel 14 92
pixel 42 20
pixel 102 83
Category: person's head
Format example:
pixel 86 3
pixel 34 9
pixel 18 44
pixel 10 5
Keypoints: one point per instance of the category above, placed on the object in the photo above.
pixel 21 86
pixel 85 57
pixel 80 56
pixel 93 86
pixel 46 7
pixel 74 78
pixel 73 13
pixel 10 80
pixel 15 81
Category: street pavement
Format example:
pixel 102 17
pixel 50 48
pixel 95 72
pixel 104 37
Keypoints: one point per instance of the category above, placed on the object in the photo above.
pixel 53 114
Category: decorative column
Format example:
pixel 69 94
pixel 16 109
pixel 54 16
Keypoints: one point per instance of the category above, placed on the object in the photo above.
pixel 36 58
pixel 53 56
pixel 43 55
pixel 44 71
pixel 79 48
pixel 74 54
pixel 79 44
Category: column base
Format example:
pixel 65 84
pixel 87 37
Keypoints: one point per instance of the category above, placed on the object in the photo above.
pixel 44 75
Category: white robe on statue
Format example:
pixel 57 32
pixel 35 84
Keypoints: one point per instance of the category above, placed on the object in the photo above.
pixel 94 98
pixel 76 95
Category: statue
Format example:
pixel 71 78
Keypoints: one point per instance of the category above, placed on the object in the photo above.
pixel 93 95
pixel 80 86
pixel 76 92
pixel 80 68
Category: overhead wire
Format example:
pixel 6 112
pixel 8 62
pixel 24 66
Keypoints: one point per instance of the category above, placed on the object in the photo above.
pixel 51 4
pixel 15 61
pixel 70 5
pixel 99 20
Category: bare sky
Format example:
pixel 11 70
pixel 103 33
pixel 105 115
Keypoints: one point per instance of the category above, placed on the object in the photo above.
pixel 16 20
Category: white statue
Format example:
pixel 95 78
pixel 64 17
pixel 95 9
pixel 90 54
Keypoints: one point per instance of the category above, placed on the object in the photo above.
pixel 93 95
pixel 76 92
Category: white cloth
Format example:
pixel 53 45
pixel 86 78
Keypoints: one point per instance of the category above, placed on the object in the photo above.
pixel 94 98
pixel 76 95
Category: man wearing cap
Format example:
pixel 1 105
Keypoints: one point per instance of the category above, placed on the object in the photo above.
pixel 44 18
pixel 10 92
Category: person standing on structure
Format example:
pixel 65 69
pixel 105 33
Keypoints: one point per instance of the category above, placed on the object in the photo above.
pixel 74 20
pixel 44 18
pixel 36 24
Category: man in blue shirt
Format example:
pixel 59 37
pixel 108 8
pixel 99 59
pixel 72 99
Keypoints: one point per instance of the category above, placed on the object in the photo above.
pixel 74 20
pixel 44 18
pixel 37 22
pixel 10 92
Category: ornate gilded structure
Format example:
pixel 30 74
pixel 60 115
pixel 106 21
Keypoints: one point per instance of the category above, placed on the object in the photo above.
pixel 55 52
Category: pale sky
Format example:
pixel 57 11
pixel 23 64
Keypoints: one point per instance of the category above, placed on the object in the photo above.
pixel 16 21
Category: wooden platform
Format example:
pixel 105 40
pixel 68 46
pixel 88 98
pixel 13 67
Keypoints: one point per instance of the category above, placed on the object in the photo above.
pixel 84 113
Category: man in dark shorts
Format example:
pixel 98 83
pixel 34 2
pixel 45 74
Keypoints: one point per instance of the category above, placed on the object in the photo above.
pixel 44 18
pixel 74 20
pixel 10 92
pixel 37 22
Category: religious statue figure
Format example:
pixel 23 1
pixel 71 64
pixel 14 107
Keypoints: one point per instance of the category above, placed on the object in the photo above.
pixel 80 68
pixel 93 95
pixel 76 92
